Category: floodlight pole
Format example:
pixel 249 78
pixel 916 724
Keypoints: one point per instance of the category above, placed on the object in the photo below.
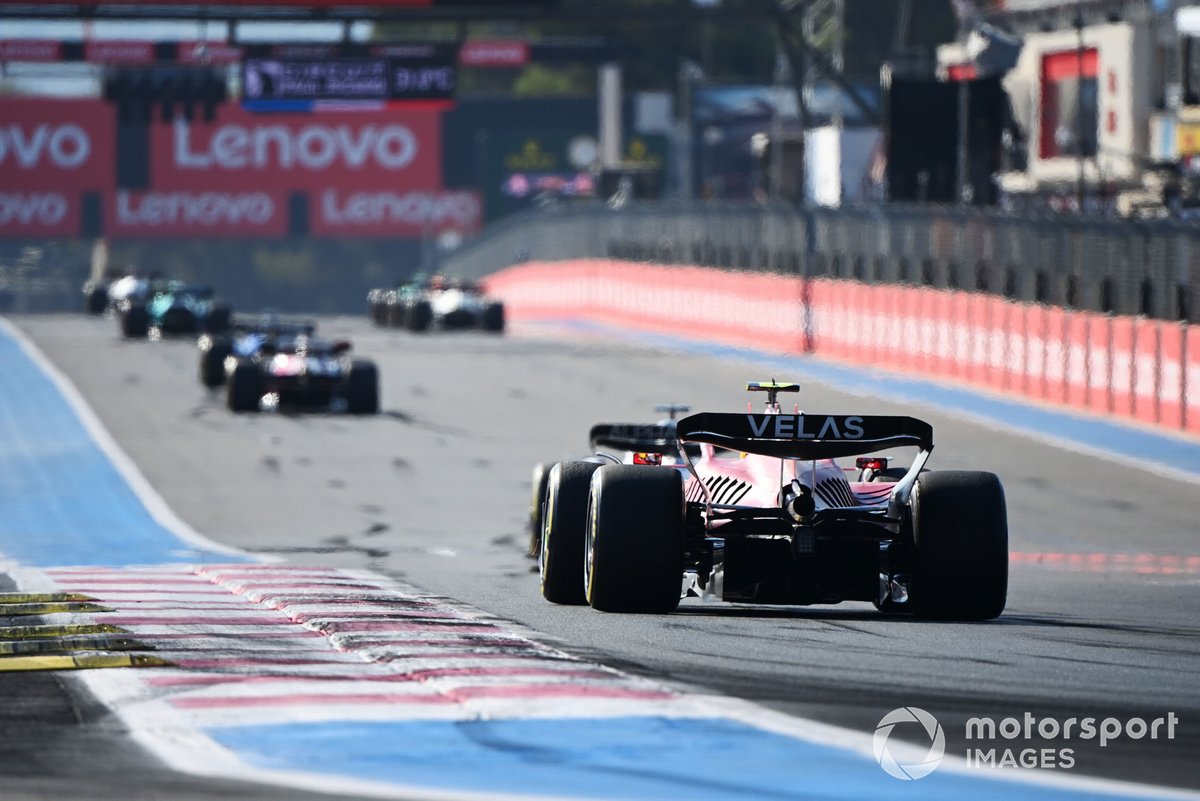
pixel 1080 188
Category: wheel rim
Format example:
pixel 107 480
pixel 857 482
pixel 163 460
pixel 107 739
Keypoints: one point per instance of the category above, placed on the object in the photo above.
pixel 544 549
pixel 589 550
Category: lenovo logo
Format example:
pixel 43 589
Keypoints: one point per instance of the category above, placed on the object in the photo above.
pixel 200 209
pixel 41 208
pixel 414 208
pixel 313 147
pixel 64 146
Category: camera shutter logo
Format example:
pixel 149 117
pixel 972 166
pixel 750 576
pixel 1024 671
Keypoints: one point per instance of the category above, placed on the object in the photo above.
pixel 909 770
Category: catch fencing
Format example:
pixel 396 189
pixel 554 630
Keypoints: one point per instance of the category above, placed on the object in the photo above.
pixel 1146 268
pixel 797 283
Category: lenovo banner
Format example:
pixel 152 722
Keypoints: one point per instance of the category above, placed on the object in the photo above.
pixel 55 144
pixel 73 168
pixel 184 213
pixel 340 212
pixel 52 154
pixel 38 214
pixel 384 149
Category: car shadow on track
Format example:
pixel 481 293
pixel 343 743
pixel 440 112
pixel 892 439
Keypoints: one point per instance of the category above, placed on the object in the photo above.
pixel 863 615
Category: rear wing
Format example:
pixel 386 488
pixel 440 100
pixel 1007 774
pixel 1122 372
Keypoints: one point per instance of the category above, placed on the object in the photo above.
pixel 805 436
pixel 633 437
pixel 277 326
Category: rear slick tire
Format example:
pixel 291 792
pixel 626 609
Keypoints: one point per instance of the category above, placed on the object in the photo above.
pixel 419 316
pixel 135 322
pixel 635 539
pixel 960 529
pixel 244 390
pixel 560 558
pixel 213 353
pixel 362 387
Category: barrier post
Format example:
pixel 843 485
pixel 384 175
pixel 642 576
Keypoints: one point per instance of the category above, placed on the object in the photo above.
pixel 1146 363
pixel 1099 356
pixel 1191 381
pixel 1171 389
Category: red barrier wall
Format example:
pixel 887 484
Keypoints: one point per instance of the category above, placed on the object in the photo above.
pixel 1145 370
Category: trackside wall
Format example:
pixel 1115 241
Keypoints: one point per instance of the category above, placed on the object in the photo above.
pixel 1128 367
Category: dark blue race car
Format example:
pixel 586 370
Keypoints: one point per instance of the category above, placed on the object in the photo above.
pixel 173 308
pixel 245 338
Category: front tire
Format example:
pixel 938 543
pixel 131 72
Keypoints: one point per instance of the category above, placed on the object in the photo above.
pixel 135 321
pixel 419 316
pixel 362 388
pixel 635 539
pixel 560 558
pixel 213 351
pixel 541 477
pixel 395 312
pixel 493 318
pixel 95 298
pixel 960 529
pixel 219 319
pixel 377 308
pixel 245 387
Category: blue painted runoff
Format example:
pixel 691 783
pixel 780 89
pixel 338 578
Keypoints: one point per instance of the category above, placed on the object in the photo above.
pixel 62 502
pixel 622 759
pixel 1174 452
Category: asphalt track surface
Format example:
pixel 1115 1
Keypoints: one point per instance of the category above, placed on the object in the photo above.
pixel 435 491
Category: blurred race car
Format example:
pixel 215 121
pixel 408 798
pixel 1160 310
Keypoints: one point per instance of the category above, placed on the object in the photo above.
pixel 103 295
pixel 379 305
pixel 435 302
pixel 765 515
pixel 618 443
pixel 301 372
pixel 247 335
pixel 172 308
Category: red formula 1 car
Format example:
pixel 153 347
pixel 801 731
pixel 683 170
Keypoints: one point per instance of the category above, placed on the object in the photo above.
pixel 764 514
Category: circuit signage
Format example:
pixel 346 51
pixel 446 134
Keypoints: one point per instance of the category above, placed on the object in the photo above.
pixel 426 73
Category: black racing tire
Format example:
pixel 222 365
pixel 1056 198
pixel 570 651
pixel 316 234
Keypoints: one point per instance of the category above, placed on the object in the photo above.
pixel 493 318
pixel 960 531
pixel 95 298
pixel 362 387
pixel 179 319
pixel 560 557
pixel 541 476
pixel 213 351
pixel 244 389
pixel 635 539
pixel 219 319
pixel 395 313
pixel 419 316
pixel 135 321
pixel 377 308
